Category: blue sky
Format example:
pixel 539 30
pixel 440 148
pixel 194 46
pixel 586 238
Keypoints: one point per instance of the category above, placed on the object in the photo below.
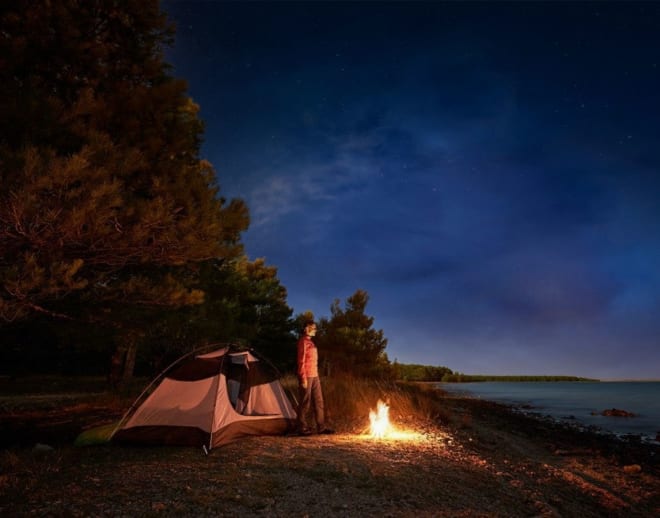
pixel 487 172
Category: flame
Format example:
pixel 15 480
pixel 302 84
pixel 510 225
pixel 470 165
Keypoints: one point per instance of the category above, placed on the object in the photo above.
pixel 380 421
pixel 382 428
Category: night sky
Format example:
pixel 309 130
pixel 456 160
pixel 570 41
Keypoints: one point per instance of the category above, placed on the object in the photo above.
pixel 488 172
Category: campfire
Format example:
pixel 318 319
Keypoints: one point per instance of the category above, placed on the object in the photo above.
pixel 380 421
pixel 380 426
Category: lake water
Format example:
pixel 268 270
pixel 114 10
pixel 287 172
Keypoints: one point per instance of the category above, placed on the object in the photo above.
pixel 578 401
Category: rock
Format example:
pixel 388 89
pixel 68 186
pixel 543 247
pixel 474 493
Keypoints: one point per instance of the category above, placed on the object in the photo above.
pixel 616 412
pixel 42 448
pixel 632 469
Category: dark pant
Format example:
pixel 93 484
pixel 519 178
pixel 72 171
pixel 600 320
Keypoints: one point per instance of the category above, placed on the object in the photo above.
pixel 312 396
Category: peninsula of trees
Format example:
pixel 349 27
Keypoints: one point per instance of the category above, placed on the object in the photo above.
pixel 413 372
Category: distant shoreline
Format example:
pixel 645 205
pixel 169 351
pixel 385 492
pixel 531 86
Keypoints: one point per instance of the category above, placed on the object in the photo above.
pixel 476 378
pixel 551 379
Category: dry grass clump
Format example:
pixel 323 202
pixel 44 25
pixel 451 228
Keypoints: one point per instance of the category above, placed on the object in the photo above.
pixel 349 400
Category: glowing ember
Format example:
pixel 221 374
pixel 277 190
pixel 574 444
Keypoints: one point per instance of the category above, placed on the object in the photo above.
pixel 380 421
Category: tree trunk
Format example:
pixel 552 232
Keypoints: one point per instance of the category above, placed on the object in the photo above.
pixel 123 360
pixel 129 362
pixel 117 366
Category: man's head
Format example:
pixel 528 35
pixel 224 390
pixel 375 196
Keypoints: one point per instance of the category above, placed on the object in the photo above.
pixel 310 328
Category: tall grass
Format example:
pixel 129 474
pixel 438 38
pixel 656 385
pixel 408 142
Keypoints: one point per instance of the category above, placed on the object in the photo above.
pixel 349 400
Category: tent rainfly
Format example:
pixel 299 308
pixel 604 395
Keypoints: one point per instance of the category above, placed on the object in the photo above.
pixel 209 400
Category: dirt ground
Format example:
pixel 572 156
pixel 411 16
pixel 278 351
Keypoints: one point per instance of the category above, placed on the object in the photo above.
pixel 484 460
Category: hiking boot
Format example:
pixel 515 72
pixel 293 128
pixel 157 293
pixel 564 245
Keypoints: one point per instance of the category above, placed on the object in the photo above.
pixel 326 431
pixel 305 431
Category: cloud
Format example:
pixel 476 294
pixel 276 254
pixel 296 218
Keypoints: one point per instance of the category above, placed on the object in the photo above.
pixel 312 180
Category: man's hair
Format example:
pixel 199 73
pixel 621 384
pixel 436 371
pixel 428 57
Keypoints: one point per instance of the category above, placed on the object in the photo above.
pixel 309 323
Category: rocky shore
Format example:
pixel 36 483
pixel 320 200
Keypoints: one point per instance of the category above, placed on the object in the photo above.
pixel 478 459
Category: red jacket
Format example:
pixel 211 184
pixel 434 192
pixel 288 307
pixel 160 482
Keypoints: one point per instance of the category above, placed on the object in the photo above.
pixel 308 359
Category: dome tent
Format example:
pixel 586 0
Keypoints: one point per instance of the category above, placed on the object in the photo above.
pixel 209 400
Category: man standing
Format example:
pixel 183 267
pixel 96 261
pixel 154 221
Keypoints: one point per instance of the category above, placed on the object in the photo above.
pixel 311 394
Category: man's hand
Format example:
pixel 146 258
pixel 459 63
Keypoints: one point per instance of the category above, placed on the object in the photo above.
pixel 303 383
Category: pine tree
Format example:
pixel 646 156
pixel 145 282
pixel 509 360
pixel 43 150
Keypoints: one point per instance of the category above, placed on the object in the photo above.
pixel 349 343
pixel 105 203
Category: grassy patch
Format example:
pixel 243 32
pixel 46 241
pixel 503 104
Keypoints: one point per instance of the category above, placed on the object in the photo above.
pixel 349 400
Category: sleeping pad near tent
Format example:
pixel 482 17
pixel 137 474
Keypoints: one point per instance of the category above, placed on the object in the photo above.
pixel 210 400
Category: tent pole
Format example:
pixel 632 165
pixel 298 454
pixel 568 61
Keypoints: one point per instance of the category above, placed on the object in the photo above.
pixel 208 448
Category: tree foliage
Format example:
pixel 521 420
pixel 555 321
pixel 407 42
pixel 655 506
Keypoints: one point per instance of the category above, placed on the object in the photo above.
pixel 415 372
pixel 349 344
pixel 105 200
pixel 245 303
